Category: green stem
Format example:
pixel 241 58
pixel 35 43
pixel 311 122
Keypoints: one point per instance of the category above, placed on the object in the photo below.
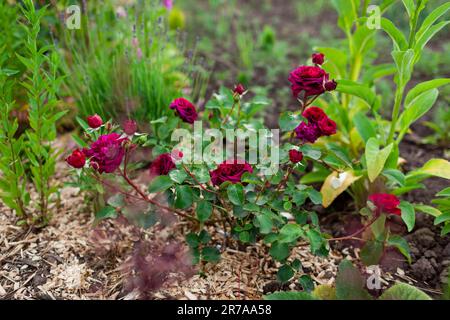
pixel 395 113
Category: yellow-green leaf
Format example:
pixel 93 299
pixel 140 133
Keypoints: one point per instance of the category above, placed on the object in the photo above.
pixel 335 184
pixel 435 167
pixel 376 158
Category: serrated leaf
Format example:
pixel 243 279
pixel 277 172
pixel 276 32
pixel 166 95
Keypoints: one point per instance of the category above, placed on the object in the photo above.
pixel 159 184
pixel 235 194
pixel 204 210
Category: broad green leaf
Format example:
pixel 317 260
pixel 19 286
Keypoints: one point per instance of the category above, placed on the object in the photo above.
pixel 401 244
pixel 285 273
pixel 347 10
pixel 279 251
pixel 105 213
pixel 410 7
pixel 428 35
pixel 289 295
pixel 236 194
pixel 404 60
pixel 336 61
pixel 306 282
pixel 445 230
pixel 396 35
pixel 416 109
pixel 349 283
pixel 432 18
pixel 289 121
pixel 359 90
pixel 159 184
pixel 204 210
pixel 265 223
pixel 434 167
pixel 376 158
pixel 290 233
pixel 184 197
pixel 178 176
pixel 408 214
pixel 423 87
pixel 335 184
pixel 364 126
pixel 371 252
pixel 394 175
pixel 211 254
pixel 315 240
pixel 442 218
pixel 428 210
pixel 403 291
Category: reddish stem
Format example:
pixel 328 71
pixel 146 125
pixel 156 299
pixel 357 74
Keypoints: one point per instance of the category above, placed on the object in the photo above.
pixel 352 236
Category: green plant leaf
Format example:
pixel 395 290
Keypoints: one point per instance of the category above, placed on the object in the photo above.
pixel 285 273
pixel 184 197
pixel 178 176
pixel 159 184
pixel 290 233
pixel 410 7
pixel 396 35
pixel 424 87
pixel 408 214
pixel 442 218
pixel 279 251
pixel 401 244
pixel 106 213
pixel 289 295
pixel 432 18
pixel 289 121
pixel 432 211
pixel 422 41
pixel 364 126
pixel 211 254
pixel 376 158
pixel 403 291
pixel 265 223
pixel 349 283
pixel 306 282
pixel 434 167
pixel 204 210
pixel 236 194
pixel 371 252
pixel 359 90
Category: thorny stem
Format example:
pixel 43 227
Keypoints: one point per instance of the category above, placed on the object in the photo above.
pixel 353 235
pixel 229 113
pixel 195 179
pixel 151 201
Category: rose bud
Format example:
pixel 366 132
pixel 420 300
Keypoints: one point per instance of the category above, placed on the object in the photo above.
pixel 295 156
pixel 330 85
pixel 239 89
pixel 77 159
pixel 94 121
pixel 177 154
pixel 129 127
pixel 318 58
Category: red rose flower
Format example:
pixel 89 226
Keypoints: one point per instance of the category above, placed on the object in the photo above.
pixel 318 58
pixel 77 159
pixel 129 127
pixel 106 153
pixel 239 89
pixel 94 121
pixel 229 172
pixel 314 114
pixel 185 110
pixel 162 165
pixel 387 203
pixel 295 156
pixel 308 132
pixel 310 79
pixel 327 126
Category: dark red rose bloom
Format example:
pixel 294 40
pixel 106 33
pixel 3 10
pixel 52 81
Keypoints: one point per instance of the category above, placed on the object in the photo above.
pixel 239 89
pixel 106 153
pixel 129 127
pixel 185 110
pixel 229 172
pixel 295 156
pixel 331 85
pixel 387 203
pixel 327 126
pixel 162 165
pixel 310 79
pixel 318 58
pixel 314 114
pixel 77 159
pixel 94 121
pixel 308 132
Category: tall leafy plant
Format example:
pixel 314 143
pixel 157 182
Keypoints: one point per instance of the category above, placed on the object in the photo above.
pixel 42 83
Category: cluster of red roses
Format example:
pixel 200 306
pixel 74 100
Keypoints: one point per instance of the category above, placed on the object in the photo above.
pixel 319 124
